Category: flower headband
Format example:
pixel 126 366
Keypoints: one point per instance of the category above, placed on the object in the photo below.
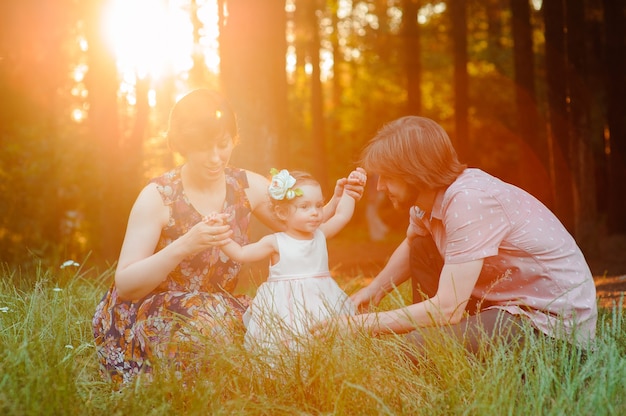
pixel 282 185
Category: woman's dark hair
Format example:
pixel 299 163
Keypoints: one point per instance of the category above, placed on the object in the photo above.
pixel 199 118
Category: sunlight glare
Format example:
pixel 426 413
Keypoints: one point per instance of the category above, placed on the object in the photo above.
pixel 149 38
pixel 155 38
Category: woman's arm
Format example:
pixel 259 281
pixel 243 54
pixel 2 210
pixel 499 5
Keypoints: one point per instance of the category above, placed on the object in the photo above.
pixel 140 270
pixel 260 203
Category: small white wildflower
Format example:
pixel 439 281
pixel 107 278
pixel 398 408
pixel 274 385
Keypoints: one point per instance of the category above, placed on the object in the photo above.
pixel 68 263
pixel 69 347
pixel 57 289
pixel 4 308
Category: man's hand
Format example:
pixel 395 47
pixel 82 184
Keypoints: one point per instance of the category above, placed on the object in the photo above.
pixel 366 297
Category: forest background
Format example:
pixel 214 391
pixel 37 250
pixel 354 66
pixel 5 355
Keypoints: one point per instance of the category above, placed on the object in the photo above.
pixel 530 91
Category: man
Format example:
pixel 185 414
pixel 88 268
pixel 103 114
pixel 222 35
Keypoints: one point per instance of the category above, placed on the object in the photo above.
pixel 484 255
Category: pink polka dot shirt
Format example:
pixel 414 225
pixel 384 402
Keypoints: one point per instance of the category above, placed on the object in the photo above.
pixel 532 265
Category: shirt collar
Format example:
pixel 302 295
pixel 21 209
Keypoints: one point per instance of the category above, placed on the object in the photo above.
pixel 437 211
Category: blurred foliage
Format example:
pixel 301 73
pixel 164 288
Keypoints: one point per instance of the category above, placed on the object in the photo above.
pixel 51 174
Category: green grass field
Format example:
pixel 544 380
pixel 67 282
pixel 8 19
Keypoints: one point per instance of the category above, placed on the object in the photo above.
pixel 48 367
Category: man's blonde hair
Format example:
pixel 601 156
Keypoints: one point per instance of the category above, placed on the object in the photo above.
pixel 416 150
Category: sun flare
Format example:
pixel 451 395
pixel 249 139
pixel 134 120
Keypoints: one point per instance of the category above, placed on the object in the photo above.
pixel 156 38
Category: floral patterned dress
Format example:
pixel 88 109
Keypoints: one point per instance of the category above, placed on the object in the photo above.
pixel 193 310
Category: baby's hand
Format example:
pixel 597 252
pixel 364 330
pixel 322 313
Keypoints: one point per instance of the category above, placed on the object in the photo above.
pixel 357 177
pixel 215 218
pixel 354 185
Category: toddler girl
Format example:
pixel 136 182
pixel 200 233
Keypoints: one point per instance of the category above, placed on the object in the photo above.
pixel 299 290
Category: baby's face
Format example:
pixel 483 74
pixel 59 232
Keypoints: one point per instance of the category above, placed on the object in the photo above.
pixel 311 198
pixel 306 211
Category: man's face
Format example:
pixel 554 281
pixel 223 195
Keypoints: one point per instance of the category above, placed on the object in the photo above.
pixel 401 195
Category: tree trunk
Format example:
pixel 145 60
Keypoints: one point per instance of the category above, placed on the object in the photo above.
pixel 561 151
pixel 320 165
pixel 109 207
pixel 579 126
pixel 338 74
pixel 495 9
pixel 534 160
pixel 252 52
pixel 413 53
pixel 615 27
pixel 198 71
pixel 458 15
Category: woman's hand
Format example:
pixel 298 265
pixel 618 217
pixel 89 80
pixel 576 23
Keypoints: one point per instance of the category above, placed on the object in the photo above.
pixel 212 231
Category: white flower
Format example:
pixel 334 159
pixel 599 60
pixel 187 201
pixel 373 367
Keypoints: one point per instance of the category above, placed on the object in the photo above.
pixel 4 308
pixel 57 289
pixel 281 184
pixel 68 263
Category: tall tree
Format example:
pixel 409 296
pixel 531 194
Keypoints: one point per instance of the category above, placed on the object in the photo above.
pixel 535 161
pixel 338 72
pixel 615 32
pixel 458 16
pixel 413 55
pixel 252 52
pixel 107 208
pixel 318 129
pixel 495 10
pixel 561 151
pixel 579 102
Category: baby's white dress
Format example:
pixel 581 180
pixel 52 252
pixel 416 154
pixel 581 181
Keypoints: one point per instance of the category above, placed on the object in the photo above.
pixel 298 292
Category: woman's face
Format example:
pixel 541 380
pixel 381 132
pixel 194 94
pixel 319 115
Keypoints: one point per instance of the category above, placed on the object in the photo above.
pixel 210 162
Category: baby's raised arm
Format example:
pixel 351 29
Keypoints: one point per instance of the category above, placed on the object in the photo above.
pixel 345 208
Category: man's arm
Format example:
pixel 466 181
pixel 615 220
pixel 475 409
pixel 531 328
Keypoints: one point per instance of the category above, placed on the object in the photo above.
pixel 447 307
pixel 395 272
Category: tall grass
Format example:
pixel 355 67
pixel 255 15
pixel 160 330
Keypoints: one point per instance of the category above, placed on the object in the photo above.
pixel 48 367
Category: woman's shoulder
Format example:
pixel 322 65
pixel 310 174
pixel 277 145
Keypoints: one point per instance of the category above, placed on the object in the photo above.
pixel 168 178
pixel 168 185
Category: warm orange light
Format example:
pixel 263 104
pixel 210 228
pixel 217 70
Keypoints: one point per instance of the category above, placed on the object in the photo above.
pixel 155 38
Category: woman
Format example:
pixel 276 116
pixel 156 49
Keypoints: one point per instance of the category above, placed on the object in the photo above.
pixel 172 298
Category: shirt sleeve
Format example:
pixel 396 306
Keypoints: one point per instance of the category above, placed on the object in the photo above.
pixel 475 224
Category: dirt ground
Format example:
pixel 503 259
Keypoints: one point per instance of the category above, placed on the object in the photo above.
pixel 365 258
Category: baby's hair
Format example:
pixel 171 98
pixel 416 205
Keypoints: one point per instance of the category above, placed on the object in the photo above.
pixel 302 178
